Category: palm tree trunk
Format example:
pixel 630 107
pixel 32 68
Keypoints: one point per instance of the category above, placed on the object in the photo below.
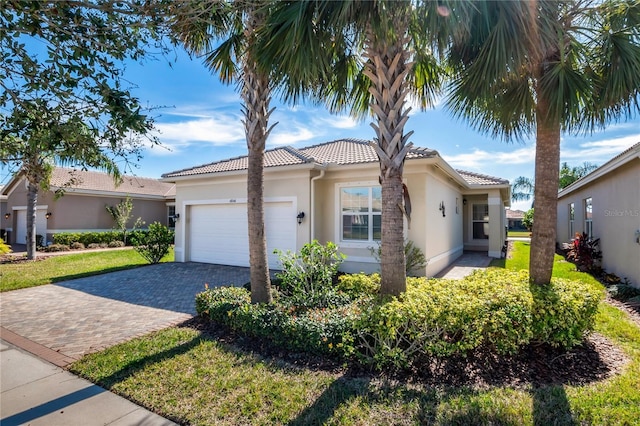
pixel 387 68
pixel 256 96
pixel 543 240
pixel 32 201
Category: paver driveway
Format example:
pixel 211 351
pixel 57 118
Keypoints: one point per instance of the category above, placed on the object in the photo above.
pixel 88 314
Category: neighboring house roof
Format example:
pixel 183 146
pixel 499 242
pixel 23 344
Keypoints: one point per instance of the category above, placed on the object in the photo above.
pixel 85 181
pixel 515 214
pixel 630 154
pixel 480 179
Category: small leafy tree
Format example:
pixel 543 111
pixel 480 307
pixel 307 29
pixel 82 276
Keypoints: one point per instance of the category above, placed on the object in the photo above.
pixel 310 271
pixel 121 214
pixel 527 219
pixel 414 257
pixel 155 243
pixel 585 254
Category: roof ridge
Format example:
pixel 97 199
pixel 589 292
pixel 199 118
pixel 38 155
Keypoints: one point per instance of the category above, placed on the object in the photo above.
pixel 296 152
pixel 352 140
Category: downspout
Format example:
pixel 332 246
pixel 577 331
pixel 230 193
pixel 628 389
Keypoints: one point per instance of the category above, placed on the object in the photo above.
pixel 313 202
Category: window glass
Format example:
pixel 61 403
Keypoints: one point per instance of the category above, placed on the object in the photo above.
pixel 171 212
pixel 361 213
pixel 480 219
pixel 480 212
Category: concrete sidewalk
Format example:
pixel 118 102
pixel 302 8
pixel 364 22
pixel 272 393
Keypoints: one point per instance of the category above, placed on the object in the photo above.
pixel 35 392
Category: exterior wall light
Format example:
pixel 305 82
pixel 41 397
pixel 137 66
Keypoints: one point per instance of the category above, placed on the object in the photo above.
pixel 48 215
pixel 441 208
pixel 300 217
pixel 7 215
pixel 176 216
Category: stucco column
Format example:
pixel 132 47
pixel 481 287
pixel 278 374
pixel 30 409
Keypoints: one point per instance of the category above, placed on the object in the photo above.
pixel 496 239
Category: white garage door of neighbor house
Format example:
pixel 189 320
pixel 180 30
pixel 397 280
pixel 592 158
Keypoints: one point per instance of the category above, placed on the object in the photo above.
pixel 218 232
pixel 21 225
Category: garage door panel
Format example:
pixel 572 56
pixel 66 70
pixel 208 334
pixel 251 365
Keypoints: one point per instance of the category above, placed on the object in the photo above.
pixel 218 233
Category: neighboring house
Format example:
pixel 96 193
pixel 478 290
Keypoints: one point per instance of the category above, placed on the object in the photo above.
pixel 3 211
pixel 606 204
pixel 82 208
pixel 514 219
pixel 330 192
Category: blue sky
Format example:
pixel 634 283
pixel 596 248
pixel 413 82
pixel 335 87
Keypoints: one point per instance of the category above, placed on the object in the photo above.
pixel 200 123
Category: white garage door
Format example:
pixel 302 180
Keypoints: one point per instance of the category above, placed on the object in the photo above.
pixel 21 225
pixel 218 232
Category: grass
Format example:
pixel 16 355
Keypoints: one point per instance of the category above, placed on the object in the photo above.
pixel 66 267
pixel 193 379
pixel 519 234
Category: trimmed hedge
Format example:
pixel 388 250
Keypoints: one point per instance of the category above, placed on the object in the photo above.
pixel 91 238
pixel 318 331
pixel 495 309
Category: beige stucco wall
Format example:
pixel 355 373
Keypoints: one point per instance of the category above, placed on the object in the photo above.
pixel 232 188
pixel 616 218
pixel 443 235
pixel 440 238
pixel 80 212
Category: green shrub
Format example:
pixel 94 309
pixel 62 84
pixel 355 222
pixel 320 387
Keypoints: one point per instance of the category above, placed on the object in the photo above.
pixel 56 247
pixel 155 243
pixel 358 284
pixel 623 292
pixel 4 248
pixel 77 246
pixel 564 311
pixel 414 259
pixel 95 246
pixel 87 238
pixel 494 308
pixel 307 278
pixel 318 331
pixel 115 244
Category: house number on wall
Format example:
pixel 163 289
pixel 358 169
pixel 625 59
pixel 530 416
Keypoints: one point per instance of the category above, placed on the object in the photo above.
pixel 233 200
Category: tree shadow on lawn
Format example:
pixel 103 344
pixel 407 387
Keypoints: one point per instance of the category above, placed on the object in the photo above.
pixel 458 382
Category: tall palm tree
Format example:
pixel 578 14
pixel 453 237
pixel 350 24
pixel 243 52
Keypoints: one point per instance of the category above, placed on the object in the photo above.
pixel 522 189
pixel 200 25
pixel 548 66
pixel 369 56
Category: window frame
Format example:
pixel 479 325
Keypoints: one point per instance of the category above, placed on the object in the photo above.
pixel 370 214
pixel 572 219
pixel 484 221
pixel 588 217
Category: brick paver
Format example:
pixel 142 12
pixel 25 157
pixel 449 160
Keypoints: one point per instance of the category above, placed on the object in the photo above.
pixel 88 314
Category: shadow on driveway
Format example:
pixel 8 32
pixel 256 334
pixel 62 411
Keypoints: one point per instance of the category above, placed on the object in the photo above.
pixel 170 286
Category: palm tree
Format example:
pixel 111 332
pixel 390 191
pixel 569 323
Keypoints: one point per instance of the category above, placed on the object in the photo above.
pixel 522 189
pixel 369 56
pixel 551 66
pixel 200 25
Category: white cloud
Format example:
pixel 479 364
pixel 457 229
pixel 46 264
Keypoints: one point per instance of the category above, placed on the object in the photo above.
pixel 599 151
pixel 290 137
pixel 222 130
pixel 336 122
pixel 478 159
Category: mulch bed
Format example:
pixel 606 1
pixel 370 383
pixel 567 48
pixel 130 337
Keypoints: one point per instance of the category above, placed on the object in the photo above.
pixel 596 359
pixel 12 258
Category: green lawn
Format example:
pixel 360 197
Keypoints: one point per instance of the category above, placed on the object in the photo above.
pixel 194 379
pixel 66 267
pixel 519 234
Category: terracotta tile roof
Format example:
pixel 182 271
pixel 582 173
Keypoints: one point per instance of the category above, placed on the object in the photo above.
pixel 339 152
pixel 83 180
pixel 480 179
pixel 514 214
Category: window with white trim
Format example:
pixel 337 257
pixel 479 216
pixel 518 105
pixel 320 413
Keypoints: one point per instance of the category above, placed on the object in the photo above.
pixel 480 221
pixel 572 217
pixel 171 216
pixel 588 217
pixel 361 213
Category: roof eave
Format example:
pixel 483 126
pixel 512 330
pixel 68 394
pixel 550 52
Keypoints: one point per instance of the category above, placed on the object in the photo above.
pixel 267 170
pixel 608 167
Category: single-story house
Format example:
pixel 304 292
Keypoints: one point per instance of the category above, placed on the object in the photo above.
pixel 606 205
pixel 330 192
pixel 82 208
pixel 514 220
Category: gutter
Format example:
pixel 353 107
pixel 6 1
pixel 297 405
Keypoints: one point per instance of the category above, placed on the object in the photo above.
pixel 313 201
